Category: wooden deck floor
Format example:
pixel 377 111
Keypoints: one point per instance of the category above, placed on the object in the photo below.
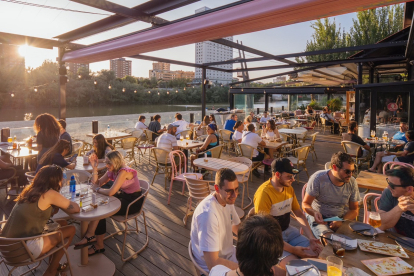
pixel 167 252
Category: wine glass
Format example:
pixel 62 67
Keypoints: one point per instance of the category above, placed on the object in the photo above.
pixel 372 133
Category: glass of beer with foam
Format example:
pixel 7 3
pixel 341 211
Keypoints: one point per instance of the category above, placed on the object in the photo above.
pixel 374 219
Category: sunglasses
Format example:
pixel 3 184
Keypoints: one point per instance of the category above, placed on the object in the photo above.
pixel 393 186
pixel 107 162
pixel 348 171
pixel 234 191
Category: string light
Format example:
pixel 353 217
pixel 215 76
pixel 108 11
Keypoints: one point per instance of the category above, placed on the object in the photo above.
pixel 242 90
pixel 109 87
pixel 80 76
pixel 176 91
pixel 158 93
pixel 149 92
pixel 123 89
pixel 135 91
pixel 12 95
pixel 184 88
pixel 35 90
pixel 95 82
pixel 168 92
pixel 67 67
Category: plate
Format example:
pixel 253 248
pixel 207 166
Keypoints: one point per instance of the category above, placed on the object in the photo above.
pixel 355 226
pixel 382 248
pixel 388 266
pixel 298 263
pixel 347 247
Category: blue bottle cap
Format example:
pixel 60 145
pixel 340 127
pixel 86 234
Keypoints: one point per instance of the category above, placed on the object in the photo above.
pixel 72 177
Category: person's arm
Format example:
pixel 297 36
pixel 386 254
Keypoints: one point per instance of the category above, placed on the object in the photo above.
pixel 389 214
pixel 176 148
pixel 212 259
pixel 93 159
pixel 71 166
pixel 262 143
pixel 315 244
pixel 276 133
pixel 58 200
pixel 307 207
pixel 350 215
pixel 120 179
pixel 206 143
pixel 367 147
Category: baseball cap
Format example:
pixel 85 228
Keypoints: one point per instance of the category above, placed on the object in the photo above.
pixel 283 165
pixel 170 126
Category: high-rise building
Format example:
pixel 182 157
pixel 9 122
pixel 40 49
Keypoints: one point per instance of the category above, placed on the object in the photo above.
pixel 11 59
pixel 121 67
pixel 73 68
pixel 161 71
pixel 208 51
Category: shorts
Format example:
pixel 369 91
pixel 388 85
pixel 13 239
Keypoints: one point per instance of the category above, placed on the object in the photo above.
pixel 35 246
pixel 318 229
pixel 293 237
pixel 388 158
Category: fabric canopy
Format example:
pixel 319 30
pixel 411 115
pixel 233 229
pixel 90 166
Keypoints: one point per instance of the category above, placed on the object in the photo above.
pixel 245 18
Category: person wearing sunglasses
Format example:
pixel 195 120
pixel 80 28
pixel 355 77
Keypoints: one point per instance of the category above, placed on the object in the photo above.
pixel 406 155
pixel 126 188
pixel 396 206
pixel 215 220
pixel 332 193
pixel 277 198
pixel 259 247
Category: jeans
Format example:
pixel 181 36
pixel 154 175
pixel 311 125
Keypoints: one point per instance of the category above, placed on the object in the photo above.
pixel 293 237
pixel 318 229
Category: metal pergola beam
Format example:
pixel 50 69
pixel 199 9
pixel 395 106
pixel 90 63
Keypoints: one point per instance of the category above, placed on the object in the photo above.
pixel 7 38
pixel 313 53
pixel 321 63
pixel 150 58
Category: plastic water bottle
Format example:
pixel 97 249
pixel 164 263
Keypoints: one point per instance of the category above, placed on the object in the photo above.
pixel 65 179
pixel 72 184
pixel 108 129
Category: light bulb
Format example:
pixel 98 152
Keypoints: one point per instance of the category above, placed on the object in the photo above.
pixel 95 82
pixel 135 91
pixel 79 76
pixel 176 91
pixel 158 93
pixel 12 94
pixel 123 89
pixel 149 92
pixel 109 87
pixel 168 92
pixel 35 90
pixel 184 88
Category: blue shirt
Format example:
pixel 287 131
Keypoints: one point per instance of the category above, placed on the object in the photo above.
pixel 229 126
pixel 400 136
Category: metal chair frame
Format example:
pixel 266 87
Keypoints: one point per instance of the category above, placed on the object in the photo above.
pixel 128 145
pixel 163 165
pixel 302 155
pixel 244 178
pixel 198 189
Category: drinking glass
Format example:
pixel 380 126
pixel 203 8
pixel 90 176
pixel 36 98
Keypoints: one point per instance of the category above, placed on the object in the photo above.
pixel 372 133
pixel 334 266
pixel 374 219
pixel 187 137
pixel 10 140
pixel 181 138
pixel 338 248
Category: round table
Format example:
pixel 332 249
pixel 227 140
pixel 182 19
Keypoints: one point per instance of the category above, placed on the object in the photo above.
pixel 98 264
pixel 87 167
pixel 215 164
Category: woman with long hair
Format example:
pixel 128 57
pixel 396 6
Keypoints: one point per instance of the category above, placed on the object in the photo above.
pixel 238 131
pixel 211 141
pixel 271 133
pixel 100 147
pixel 212 119
pixel 55 156
pixel 204 123
pixel 124 178
pixel 47 130
pixel 35 205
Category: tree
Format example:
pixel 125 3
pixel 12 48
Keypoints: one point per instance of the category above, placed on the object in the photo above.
pixel 369 27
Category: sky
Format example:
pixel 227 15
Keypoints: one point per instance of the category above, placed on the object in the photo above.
pixel 48 23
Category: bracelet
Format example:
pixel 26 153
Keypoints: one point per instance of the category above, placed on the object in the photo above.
pixel 96 173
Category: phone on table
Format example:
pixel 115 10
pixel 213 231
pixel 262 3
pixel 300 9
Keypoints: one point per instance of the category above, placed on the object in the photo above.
pixel 73 157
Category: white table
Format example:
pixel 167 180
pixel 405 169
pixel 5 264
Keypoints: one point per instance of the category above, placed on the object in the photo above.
pixel 87 167
pixel 215 164
pixel 98 264
pixel 112 135
pixel 293 131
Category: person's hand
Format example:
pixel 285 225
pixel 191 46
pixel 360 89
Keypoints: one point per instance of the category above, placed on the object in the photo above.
pixel 303 252
pixel 94 187
pixel 406 203
pixel 315 245
pixel 93 159
pixel 335 225
pixel 318 217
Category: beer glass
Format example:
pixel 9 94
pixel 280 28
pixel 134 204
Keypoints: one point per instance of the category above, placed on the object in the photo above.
pixel 9 140
pixel 374 219
pixel 372 133
pixel 334 266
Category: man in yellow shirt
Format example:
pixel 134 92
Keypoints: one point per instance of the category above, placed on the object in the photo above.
pixel 277 198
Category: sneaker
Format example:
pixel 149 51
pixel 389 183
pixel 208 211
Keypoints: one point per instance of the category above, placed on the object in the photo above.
pixel 256 173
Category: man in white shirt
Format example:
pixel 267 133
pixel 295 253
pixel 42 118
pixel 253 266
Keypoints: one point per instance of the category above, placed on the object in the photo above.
pixel 265 117
pixel 141 123
pixel 214 221
pixel 251 138
pixel 167 140
pixel 180 123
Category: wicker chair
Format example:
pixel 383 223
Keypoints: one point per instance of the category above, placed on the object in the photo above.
pixel 247 151
pixel 162 162
pixel 149 134
pixel 353 149
pixel 324 125
pixel 77 148
pixel 312 145
pixel 15 253
pixel 129 217
pixel 301 156
pixel 128 145
pixel 225 138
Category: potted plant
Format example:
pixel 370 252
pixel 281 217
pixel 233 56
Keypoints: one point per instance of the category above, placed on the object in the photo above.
pixel 334 104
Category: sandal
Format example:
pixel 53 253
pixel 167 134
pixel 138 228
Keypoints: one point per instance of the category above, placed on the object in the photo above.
pixel 63 267
pixel 97 251
pixel 88 242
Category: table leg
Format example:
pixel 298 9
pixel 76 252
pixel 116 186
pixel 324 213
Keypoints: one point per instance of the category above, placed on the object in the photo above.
pixel 84 251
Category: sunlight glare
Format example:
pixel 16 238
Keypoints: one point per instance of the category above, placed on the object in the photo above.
pixel 23 50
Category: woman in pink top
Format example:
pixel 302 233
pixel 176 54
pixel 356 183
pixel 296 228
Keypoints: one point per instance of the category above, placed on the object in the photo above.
pixel 126 188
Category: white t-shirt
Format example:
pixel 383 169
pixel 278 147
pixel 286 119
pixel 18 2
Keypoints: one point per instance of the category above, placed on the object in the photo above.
pixel 166 141
pixel 211 230
pixel 251 139
pixel 182 125
pixel 264 119
pixel 140 125
pixel 270 134
pixel 237 135
pixel 219 270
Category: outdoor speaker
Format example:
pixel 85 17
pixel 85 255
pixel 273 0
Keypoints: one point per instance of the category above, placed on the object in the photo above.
pixel 5 134
pixel 94 127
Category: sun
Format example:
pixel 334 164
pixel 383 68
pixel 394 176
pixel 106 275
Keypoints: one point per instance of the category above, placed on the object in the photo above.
pixel 23 50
